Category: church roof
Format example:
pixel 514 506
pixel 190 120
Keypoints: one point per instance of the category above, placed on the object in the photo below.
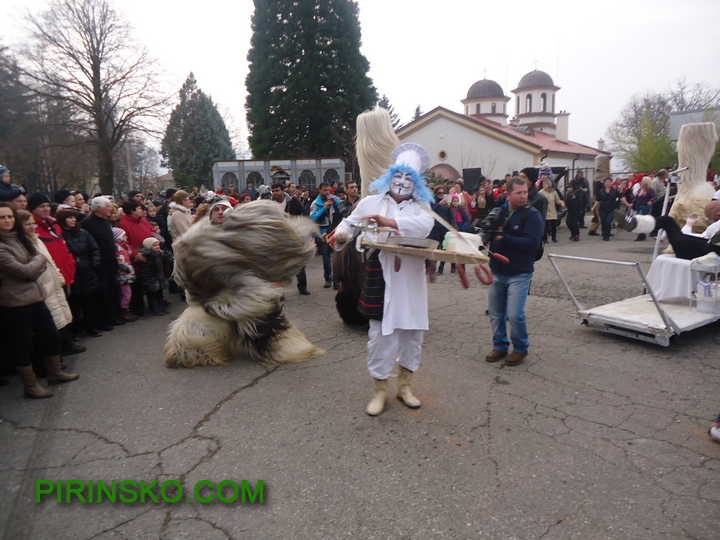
pixel 535 79
pixel 538 139
pixel 485 89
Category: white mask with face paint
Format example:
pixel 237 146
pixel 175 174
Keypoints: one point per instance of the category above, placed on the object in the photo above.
pixel 402 185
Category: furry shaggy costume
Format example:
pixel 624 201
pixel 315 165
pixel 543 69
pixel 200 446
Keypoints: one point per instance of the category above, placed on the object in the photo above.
pixel 229 273
pixel 696 146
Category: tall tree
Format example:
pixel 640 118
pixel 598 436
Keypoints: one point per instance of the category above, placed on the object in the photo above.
pixel 417 114
pixel 385 104
pixel 195 138
pixel 308 80
pixel 82 54
pixel 640 136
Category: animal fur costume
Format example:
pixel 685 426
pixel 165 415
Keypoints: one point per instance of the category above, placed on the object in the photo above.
pixel 696 146
pixel 229 273
pixel 374 143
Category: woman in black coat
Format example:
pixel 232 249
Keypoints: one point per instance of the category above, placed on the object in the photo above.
pixel 83 292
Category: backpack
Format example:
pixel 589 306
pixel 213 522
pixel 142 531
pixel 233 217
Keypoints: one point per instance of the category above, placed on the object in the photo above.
pixel 523 218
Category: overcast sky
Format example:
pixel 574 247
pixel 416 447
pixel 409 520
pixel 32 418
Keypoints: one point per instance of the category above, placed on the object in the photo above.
pixel 429 54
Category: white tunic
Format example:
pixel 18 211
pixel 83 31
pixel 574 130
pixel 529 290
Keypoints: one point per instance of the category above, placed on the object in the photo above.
pixel 406 304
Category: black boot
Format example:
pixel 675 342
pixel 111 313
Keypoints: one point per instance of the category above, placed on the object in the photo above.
pixel 155 307
pixel 641 237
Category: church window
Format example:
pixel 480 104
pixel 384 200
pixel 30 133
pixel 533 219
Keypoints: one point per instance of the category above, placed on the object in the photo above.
pixel 543 102
pixel 477 109
pixel 553 103
pixel 493 108
pixel 517 105
pixel 466 109
pixel 528 103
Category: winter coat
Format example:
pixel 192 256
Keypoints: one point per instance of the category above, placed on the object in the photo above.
pixel 137 230
pixel 153 273
pixel 554 200
pixel 126 272
pixel 180 220
pixel 101 231
pixel 438 231
pixel 52 282
pixel 464 222
pixel 51 235
pixel 87 260
pixel 574 202
pixel 19 273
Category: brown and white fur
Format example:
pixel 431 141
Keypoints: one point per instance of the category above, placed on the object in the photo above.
pixel 230 274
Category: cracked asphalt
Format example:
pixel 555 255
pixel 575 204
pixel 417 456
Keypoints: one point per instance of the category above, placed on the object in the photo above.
pixel 595 436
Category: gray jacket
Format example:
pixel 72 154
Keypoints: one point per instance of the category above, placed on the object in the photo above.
pixel 19 272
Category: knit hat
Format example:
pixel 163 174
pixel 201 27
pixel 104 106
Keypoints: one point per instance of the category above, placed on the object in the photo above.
pixel 36 199
pixel 148 243
pixel 118 234
pixel 131 194
pixel 61 195
pixel 545 170
pixel 531 173
pixel 7 195
pixel 3 169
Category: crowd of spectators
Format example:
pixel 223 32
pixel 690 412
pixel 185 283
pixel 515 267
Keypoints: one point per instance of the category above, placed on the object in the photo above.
pixel 72 266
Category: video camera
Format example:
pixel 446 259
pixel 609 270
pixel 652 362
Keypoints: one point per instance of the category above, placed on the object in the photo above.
pixel 488 227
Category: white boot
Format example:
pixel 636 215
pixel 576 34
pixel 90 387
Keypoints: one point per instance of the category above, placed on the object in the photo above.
pixel 404 393
pixel 377 403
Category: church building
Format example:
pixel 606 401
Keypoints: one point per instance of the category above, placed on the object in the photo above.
pixel 483 137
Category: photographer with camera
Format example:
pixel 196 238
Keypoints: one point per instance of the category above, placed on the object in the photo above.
pixel 322 212
pixel 518 239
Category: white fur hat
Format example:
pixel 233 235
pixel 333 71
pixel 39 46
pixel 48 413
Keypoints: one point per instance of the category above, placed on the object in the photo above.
pixel 148 243
pixel 413 155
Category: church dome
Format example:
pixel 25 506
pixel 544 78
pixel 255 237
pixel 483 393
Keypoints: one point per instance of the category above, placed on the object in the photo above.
pixel 485 89
pixel 534 79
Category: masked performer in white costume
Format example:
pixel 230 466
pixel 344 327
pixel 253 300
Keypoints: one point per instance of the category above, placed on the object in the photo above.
pixel 394 296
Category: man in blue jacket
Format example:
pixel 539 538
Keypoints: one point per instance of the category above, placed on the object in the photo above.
pixel 519 240
pixel 322 212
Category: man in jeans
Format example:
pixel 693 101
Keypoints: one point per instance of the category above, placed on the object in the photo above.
pixel 518 240
pixel 322 212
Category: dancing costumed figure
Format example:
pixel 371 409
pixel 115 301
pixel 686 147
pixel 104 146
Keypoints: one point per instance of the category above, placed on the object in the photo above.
pixel 375 143
pixel 230 271
pixel 394 295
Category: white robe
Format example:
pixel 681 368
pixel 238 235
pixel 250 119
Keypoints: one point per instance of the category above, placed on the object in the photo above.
pixel 406 304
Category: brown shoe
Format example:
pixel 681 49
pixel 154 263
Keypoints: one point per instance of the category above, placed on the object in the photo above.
pixel 495 356
pixel 515 358
pixel 126 316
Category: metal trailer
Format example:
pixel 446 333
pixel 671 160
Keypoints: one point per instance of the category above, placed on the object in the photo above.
pixel 641 317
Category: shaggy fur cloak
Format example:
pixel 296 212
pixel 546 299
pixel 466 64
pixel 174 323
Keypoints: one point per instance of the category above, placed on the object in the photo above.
pixel 230 274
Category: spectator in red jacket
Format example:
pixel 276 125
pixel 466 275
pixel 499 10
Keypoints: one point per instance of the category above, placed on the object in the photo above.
pixel 137 229
pixel 51 235
pixel 135 226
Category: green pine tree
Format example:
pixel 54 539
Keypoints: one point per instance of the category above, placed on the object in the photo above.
pixel 417 114
pixel 196 137
pixel 308 80
pixel 385 104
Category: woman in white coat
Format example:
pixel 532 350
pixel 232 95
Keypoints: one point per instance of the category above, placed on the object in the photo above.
pixel 51 279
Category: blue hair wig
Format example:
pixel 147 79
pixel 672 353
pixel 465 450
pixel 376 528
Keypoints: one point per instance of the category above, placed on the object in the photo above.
pixel 420 191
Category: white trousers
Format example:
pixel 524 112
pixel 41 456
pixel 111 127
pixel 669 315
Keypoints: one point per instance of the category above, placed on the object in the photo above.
pixel 383 350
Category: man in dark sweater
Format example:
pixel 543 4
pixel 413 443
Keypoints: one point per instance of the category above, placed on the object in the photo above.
pixel 518 240
pixel 293 207
pixel 107 295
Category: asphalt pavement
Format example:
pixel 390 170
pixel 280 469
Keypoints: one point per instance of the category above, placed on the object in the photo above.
pixel 595 436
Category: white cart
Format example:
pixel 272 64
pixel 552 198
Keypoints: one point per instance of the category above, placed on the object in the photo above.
pixel 642 317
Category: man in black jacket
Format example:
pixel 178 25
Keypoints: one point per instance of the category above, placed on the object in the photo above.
pixel 293 207
pixel 107 300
